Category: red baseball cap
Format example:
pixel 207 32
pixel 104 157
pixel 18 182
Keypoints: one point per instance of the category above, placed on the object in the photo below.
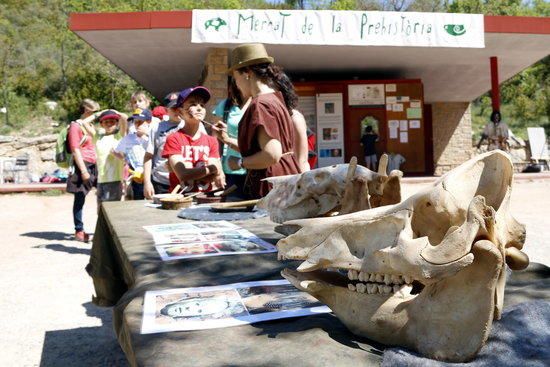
pixel 159 112
pixel 109 114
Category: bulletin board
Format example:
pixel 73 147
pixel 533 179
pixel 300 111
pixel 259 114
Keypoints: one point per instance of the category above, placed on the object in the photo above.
pixel 330 129
pixel 405 124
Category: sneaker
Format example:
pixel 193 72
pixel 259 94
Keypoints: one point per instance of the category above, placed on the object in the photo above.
pixel 81 236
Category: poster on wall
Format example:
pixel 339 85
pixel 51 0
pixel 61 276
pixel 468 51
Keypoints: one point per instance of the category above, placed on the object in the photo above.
pixel 330 129
pixel 366 95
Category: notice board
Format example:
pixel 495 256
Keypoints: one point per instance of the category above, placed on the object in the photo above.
pixel 330 129
pixel 405 124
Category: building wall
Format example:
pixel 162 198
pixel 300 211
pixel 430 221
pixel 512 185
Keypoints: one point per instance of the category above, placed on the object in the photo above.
pixel 215 75
pixel 452 135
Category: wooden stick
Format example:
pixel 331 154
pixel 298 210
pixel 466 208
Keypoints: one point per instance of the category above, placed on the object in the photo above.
pixel 227 191
pixel 236 204
pixel 176 189
pixel 208 123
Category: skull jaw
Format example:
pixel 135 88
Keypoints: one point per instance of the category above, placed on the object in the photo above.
pixel 448 320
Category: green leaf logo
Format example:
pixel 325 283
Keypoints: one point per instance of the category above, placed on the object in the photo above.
pixel 214 22
pixel 455 29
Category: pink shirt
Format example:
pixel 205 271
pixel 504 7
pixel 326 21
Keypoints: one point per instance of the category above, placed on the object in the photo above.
pixel 74 138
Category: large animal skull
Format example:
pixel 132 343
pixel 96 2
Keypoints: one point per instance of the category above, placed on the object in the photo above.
pixel 428 273
pixel 342 188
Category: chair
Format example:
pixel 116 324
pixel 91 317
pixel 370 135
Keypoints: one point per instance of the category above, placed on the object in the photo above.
pixel 16 168
pixel 6 169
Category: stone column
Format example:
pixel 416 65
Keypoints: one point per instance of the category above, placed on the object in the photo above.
pixel 452 135
pixel 215 77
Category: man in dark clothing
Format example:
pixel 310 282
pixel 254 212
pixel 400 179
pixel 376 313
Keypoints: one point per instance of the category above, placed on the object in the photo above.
pixel 368 141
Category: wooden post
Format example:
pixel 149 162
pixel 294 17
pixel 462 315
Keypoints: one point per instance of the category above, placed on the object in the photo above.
pixel 495 92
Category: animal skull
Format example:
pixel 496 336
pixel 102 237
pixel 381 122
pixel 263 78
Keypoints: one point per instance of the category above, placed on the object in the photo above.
pixel 428 273
pixel 343 188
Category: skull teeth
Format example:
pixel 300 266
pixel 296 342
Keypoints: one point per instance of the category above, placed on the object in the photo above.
pixel 388 279
pixel 373 283
pixel 372 288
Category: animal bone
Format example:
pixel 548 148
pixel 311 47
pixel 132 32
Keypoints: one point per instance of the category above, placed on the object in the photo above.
pixel 428 273
pixel 343 188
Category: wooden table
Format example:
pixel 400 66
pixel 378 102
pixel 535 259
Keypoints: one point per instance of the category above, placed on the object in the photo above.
pixel 124 264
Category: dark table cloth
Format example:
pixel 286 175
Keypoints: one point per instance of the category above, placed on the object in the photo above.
pixel 124 264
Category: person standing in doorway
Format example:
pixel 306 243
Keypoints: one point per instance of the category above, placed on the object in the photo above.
pixel 368 141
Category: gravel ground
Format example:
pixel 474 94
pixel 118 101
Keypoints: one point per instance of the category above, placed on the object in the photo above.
pixel 45 308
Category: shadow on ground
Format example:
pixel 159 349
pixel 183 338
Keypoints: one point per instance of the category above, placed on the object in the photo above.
pixel 50 236
pixel 85 346
pixel 68 249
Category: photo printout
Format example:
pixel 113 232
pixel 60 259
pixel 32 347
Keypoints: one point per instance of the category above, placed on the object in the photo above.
pixel 223 306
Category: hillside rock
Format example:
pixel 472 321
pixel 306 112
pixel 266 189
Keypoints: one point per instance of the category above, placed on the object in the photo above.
pixel 40 150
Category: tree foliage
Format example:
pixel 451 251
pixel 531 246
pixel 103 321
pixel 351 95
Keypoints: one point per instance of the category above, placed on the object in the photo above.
pixel 40 59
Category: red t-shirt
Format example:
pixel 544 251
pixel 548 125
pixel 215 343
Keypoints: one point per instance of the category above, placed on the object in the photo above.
pixel 197 152
pixel 75 137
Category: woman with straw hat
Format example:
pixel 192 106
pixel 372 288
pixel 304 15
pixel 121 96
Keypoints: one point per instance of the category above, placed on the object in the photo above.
pixel 266 131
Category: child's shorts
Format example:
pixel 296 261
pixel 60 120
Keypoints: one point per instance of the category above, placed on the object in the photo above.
pixel 109 191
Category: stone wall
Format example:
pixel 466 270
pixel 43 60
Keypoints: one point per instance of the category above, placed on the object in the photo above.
pixel 40 150
pixel 215 75
pixel 452 135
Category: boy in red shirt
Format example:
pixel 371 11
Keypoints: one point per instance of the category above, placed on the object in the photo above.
pixel 193 156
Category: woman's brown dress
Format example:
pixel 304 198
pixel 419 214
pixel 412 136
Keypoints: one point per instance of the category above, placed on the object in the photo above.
pixel 269 111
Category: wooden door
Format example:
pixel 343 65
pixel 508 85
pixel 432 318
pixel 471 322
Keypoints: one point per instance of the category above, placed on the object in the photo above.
pixel 358 119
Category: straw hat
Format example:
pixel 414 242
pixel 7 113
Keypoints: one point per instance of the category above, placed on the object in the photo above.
pixel 248 54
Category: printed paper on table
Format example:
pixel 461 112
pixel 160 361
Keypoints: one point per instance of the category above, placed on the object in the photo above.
pixel 250 245
pixel 226 305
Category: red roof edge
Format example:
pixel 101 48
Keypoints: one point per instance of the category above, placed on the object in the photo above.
pixel 513 24
pixel 183 19
pixel 129 21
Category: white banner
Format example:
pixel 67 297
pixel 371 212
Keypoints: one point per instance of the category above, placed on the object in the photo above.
pixel 327 27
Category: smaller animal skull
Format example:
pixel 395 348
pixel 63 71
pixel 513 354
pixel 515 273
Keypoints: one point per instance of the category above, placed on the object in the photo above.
pixel 428 273
pixel 342 188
